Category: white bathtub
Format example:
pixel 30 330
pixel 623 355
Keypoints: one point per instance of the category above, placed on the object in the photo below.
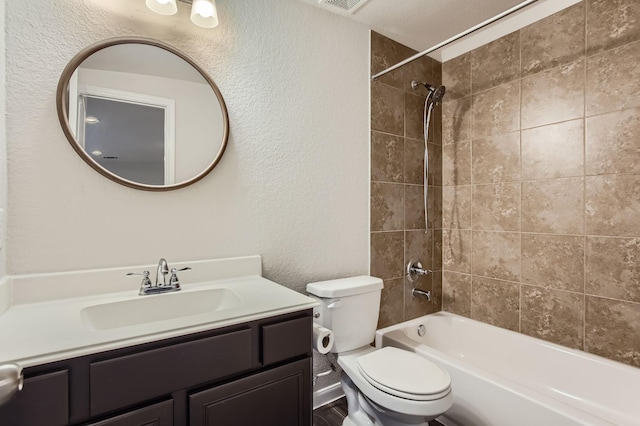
pixel 503 378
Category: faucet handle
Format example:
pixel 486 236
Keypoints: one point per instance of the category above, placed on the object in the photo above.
pixel 414 269
pixel 146 282
pixel 143 273
pixel 174 281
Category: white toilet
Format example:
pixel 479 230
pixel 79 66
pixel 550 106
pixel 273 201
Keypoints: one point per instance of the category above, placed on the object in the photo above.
pixel 387 386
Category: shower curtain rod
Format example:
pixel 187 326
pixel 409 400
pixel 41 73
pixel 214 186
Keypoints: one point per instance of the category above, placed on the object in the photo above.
pixel 455 38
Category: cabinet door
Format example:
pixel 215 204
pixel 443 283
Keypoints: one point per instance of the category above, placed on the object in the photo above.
pixel 160 414
pixel 278 397
pixel 44 400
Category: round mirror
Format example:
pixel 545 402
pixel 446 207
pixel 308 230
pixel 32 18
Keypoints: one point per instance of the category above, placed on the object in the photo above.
pixel 142 113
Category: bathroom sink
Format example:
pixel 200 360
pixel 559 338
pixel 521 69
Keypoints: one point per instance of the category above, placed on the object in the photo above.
pixel 160 307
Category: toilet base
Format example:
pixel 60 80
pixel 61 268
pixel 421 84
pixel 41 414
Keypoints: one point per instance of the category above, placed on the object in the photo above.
pixel 356 415
pixel 348 422
pixel 362 412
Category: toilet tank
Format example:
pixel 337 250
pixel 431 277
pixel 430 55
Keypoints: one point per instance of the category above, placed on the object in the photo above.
pixel 349 307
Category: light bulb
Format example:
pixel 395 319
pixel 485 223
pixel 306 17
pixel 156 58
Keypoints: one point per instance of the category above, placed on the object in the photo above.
pixel 204 13
pixel 205 9
pixel 163 7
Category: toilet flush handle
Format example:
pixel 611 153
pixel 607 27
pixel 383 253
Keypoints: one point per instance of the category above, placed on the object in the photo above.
pixel 335 304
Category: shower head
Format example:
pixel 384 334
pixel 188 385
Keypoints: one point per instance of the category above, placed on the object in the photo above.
pixel 436 93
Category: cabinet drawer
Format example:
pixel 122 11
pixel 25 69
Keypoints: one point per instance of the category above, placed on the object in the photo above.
pixel 286 340
pixel 44 400
pixel 128 380
pixel 160 414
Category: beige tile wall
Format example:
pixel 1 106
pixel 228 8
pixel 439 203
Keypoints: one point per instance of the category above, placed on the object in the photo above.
pixel 397 152
pixel 541 180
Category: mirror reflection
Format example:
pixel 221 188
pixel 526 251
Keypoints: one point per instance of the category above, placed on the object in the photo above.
pixel 143 114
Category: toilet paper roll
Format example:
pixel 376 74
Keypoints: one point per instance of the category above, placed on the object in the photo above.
pixel 322 339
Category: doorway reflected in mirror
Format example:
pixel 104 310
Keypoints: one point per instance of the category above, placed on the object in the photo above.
pixel 127 138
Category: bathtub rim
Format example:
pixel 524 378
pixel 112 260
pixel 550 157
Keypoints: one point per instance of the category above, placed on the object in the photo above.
pixel 514 334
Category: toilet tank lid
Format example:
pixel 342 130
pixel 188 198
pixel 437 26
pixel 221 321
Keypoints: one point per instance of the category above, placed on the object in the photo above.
pixel 345 286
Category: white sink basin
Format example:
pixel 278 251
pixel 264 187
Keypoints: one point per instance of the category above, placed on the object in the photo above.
pixel 158 307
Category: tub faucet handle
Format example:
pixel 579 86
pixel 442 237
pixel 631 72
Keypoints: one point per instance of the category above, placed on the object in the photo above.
pixel 414 270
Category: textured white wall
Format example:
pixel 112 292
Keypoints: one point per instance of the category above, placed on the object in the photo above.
pixel 292 185
pixel 3 148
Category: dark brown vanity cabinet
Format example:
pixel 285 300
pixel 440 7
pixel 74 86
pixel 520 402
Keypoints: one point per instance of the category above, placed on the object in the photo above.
pixel 256 373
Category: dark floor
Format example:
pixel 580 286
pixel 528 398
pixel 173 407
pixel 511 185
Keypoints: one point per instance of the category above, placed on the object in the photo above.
pixel 334 413
pixel 331 414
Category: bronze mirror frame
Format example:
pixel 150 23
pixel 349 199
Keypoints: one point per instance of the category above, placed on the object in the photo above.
pixel 62 104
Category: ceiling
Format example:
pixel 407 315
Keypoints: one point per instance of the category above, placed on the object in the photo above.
pixel 143 59
pixel 422 24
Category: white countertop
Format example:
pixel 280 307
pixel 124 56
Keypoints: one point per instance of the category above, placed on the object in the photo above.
pixel 35 331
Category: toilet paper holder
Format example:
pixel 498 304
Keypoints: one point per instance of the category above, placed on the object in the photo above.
pixel 322 338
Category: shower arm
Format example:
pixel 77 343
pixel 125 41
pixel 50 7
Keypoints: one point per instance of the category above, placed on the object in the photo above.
pixel 455 38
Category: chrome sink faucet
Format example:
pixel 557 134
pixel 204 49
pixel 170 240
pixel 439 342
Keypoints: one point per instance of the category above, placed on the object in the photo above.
pixel 146 287
pixel 162 269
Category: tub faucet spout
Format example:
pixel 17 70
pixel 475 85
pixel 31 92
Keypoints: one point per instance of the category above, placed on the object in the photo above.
pixel 419 292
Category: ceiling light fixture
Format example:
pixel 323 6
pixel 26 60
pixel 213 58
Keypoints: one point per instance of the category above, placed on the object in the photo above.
pixel 91 120
pixel 203 12
pixel 163 7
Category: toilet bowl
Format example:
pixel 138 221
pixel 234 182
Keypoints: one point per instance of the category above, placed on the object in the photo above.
pixel 397 385
pixel 386 386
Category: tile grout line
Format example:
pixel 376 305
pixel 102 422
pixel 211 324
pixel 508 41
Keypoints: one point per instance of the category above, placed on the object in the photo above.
pixel 520 198
pixel 471 133
pixel 521 77
pixel 584 182
pixel 550 234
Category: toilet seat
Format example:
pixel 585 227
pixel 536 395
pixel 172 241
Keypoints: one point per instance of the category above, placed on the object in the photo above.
pixel 404 374
pixel 348 361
